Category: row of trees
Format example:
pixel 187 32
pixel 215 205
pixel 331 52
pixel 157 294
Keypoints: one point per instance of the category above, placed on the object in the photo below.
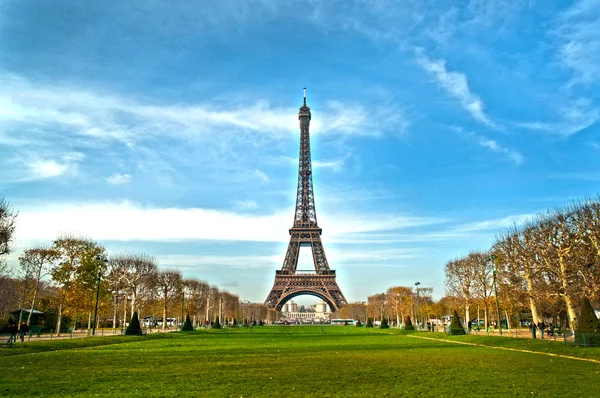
pixel 544 268
pixel 64 279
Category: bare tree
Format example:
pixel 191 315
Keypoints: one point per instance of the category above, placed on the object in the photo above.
pixel 167 282
pixel 460 281
pixel 136 271
pixel 36 263
pixel 7 225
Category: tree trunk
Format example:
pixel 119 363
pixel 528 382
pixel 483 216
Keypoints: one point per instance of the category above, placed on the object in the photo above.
pixel 467 308
pixel 532 304
pixel 565 286
pixel 507 321
pixel 133 300
pixel 35 291
pixel 89 321
pixel 165 316
pixel 59 319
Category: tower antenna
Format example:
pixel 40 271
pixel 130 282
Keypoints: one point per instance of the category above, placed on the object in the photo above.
pixel 304 96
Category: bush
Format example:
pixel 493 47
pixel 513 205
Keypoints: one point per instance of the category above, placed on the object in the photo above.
pixel 358 323
pixel 234 324
pixel 384 324
pixel 456 327
pixel 408 324
pixel 369 323
pixel 187 326
pixel 217 323
pixel 261 323
pixel 588 327
pixel 134 328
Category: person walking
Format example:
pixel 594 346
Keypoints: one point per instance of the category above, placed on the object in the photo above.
pixel 541 326
pixel 23 330
pixel 12 332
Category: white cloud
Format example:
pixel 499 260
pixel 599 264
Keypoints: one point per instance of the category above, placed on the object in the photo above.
pixel 41 169
pixel 127 221
pixel 574 116
pixel 118 179
pixel 495 224
pixel 455 84
pixel 579 35
pixel 245 204
pixel 261 176
pixel 515 156
pixel 104 116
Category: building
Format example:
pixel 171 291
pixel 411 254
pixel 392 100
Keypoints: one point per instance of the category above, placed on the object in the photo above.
pixel 319 311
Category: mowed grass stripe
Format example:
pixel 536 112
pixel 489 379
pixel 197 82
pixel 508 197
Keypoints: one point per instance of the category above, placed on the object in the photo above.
pixel 302 364
pixel 508 349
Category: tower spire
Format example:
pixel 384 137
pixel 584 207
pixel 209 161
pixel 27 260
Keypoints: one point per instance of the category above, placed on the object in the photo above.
pixel 304 96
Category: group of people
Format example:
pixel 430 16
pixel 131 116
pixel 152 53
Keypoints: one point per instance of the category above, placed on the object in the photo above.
pixel 541 326
pixel 13 331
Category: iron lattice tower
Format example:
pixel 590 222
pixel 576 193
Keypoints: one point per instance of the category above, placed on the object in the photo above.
pixel 289 281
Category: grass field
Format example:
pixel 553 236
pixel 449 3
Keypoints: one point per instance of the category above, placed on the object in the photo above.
pixel 296 361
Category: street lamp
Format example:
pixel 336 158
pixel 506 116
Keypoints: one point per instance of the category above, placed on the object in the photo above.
pixel 492 258
pixel 101 261
pixel 418 306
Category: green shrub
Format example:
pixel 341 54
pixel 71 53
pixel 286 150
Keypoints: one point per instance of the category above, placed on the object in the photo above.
pixel 261 323
pixel 408 324
pixel 358 323
pixel 234 324
pixel 187 326
pixel 456 327
pixel 134 328
pixel 587 331
pixel 217 323
pixel 384 324
pixel 369 323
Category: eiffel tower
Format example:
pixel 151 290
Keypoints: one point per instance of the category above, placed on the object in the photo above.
pixel 289 281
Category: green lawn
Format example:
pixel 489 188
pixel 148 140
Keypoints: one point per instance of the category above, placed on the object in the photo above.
pixel 294 361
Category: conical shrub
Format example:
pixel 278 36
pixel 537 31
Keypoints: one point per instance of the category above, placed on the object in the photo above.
pixel 134 328
pixel 358 323
pixel 455 326
pixel 217 323
pixel 187 326
pixel 384 324
pixel 587 331
pixel 408 324
pixel 369 323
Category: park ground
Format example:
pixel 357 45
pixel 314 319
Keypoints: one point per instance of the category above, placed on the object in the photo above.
pixel 303 361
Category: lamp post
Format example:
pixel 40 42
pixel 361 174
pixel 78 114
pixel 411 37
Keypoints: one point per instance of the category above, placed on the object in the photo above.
pixel 101 261
pixel 418 306
pixel 492 258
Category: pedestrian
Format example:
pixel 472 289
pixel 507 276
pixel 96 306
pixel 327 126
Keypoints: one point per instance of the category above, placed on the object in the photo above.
pixel 541 327
pixel 23 330
pixel 12 332
pixel 533 328
pixel 551 329
pixel 469 324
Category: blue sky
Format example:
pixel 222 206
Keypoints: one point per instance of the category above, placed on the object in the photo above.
pixel 171 128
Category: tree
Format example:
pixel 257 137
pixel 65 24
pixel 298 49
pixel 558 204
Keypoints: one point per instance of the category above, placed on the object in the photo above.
pixel 7 226
pixel 166 282
pixel 408 324
pixel 384 324
pixel 187 327
pixel 588 326
pixel 36 263
pixel 456 327
pixel 134 328
pixel 460 281
pixel 136 272
pixel 75 272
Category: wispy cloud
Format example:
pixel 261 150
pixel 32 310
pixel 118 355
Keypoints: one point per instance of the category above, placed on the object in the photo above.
pixel 573 117
pixel 580 40
pixel 118 179
pixel 455 84
pixel 515 156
